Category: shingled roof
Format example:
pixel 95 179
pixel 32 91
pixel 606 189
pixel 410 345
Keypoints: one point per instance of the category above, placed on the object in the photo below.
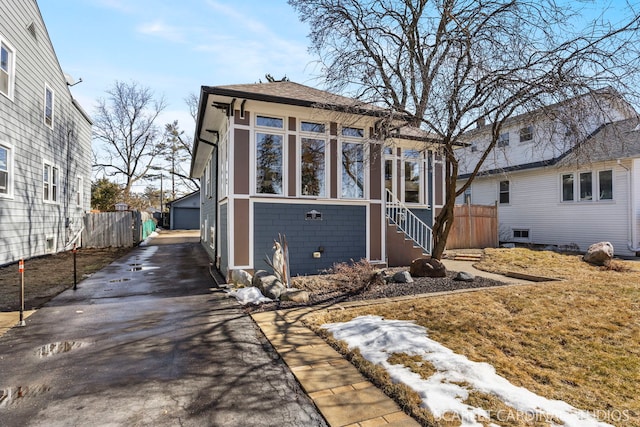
pixel 290 93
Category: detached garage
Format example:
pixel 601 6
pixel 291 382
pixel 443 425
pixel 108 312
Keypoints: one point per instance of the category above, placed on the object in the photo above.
pixel 184 213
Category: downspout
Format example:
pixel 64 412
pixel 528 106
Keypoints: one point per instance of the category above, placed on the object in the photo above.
pixel 631 203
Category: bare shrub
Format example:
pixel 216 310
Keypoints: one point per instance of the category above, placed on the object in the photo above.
pixel 355 276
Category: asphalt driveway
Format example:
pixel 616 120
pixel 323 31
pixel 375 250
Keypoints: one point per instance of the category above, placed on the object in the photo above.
pixel 148 340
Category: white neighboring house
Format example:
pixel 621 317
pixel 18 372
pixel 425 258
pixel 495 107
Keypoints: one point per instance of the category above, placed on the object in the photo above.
pixel 45 141
pixel 568 183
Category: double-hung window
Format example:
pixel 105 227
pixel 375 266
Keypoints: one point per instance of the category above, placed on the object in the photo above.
pixel 352 159
pixel 586 186
pixel 79 192
pixel 412 187
pixel 5 171
pixel 567 187
pixel 50 179
pixel 526 133
pixel 269 145
pixel 49 100
pixel 503 139
pixel 504 195
pixel 312 159
pixel 7 69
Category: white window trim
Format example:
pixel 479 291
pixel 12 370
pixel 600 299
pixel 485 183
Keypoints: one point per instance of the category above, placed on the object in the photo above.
pixel 365 167
pixel 54 170
pixel 500 192
pixel 595 186
pixel 254 159
pixel 324 136
pixel 422 167
pixel 613 185
pixel 524 141
pixel 12 68
pixel 79 192
pixel 269 116
pixel 520 239
pixel 53 106
pixel 10 170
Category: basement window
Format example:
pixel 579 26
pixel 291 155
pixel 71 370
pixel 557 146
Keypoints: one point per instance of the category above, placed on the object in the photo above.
pixel 521 234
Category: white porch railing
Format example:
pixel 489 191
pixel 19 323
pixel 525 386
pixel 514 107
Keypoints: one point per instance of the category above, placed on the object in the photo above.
pixel 413 227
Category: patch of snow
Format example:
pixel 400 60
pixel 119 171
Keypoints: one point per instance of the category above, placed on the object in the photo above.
pixel 443 393
pixel 145 242
pixel 250 295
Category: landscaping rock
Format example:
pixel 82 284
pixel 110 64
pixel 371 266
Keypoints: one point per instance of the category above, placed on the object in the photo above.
pixel 402 277
pixel 508 245
pixel 258 276
pixel 599 253
pixel 241 278
pixel 261 281
pixel 274 289
pixel 463 276
pixel 427 267
pixel 295 295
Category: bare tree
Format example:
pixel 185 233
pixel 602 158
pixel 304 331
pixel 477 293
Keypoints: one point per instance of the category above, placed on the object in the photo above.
pixel 125 124
pixel 444 64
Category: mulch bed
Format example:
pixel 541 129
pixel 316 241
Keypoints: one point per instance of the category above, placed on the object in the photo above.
pixel 333 292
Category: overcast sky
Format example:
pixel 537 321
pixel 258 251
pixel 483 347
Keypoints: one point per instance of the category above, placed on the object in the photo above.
pixel 174 47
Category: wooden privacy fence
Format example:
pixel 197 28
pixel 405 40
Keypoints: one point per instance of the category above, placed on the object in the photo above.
pixel 116 229
pixel 474 226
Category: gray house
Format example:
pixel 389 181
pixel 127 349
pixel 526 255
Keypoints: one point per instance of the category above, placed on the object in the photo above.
pixel 45 141
pixel 283 158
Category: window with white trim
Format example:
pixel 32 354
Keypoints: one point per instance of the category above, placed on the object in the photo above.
pixel 503 139
pixel 526 133
pixel 605 185
pixel 352 160
pixel 504 192
pixel 49 99
pixel 6 172
pixel 567 183
pixel 79 191
pixel 50 180
pixel 269 165
pixel 586 186
pixel 312 167
pixel 7 68
pixel 412 175
pixel 520 234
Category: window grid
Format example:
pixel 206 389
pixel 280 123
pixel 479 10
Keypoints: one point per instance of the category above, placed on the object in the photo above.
pixel 5 171
pixel 49 100
pixel 50 183
pixel 7 69
pixel 504 192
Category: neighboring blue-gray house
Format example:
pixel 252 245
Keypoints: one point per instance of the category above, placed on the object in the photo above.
pixel 45 141
pixel 184 213
pixel 283 158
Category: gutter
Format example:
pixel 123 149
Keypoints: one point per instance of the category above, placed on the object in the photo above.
pixel 631 203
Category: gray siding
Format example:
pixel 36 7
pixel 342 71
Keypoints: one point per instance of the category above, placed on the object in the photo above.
pixel 223 253
pixel 341 232
pixel 26 221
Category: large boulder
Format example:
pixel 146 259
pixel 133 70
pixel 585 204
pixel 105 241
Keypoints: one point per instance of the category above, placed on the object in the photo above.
pixel 427 267
pixel 599 253
pixel 257 276
pixel 269 285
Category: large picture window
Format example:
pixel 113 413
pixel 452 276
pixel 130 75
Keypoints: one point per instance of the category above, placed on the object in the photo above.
pixel 312 182
pixel 5 171
pixel 269 163
pixel 352 170
pixel 7 71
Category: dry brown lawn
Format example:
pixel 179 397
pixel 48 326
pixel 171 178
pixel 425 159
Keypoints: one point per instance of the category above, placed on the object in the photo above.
pixel 576 340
